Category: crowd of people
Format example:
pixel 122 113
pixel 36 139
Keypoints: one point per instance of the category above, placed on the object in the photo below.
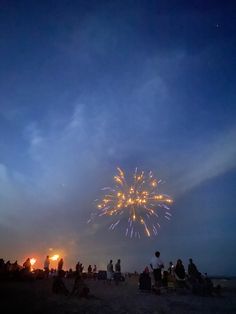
pixel 176 277
pixel 10 270
pixel 154 279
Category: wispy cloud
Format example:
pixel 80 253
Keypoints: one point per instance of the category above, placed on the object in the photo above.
pixel 212 156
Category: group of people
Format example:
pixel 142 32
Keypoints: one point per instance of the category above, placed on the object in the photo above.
pixel 176 277
pixel 79 287
pixel 15 271
pixel 173 277
pixel 9 270
pixel 114 275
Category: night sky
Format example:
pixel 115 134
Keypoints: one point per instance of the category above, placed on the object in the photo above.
pixel 86 86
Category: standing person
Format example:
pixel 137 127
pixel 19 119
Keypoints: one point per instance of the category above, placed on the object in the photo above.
pixel 193 272
pixel 78 267
pixel 157 265
pixel 60 264
pixel 110 271
pixel 27 265
pixel 81 268
pixel 117 275
pixel 46 266
pixel 89 269
pixel 95 272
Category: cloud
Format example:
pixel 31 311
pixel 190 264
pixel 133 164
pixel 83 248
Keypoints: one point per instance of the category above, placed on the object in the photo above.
pixel 206 159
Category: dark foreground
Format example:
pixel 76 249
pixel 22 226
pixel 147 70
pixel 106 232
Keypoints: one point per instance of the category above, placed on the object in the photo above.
pixel 36 297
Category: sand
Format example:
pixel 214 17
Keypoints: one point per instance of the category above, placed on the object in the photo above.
pixel 36 297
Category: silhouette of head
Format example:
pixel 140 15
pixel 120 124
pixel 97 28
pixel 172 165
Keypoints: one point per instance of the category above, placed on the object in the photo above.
pixel 157 254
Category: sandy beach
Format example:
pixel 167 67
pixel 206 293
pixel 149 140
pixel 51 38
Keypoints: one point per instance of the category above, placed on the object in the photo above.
pixel 37 297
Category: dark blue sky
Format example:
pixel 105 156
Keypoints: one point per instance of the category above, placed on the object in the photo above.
pixel 86 86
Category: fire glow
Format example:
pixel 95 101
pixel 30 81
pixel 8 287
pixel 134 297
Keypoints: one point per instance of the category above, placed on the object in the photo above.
pixel 54 257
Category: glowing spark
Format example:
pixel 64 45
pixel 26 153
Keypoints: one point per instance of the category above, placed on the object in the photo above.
pixel 137 200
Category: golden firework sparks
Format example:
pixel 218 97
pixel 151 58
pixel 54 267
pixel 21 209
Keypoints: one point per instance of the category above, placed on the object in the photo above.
pixel 140 201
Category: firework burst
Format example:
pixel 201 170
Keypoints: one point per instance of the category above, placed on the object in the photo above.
pixel 139 202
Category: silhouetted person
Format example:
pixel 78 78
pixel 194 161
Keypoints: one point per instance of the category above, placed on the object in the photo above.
pixel 171 269
pixel 2 268
pixel 15 270
pixel 110 271
pixel 180 275
pixel 94 272
pixel 179 270
pixel 89 269
pixel 60 264
pixel 2 264
pixel 117 275
pixel 58 285
pixel 208 285
pixel 46 266
pixel 157 265
pixel 80 288
pixel 79 268
pixel 15 266
pixel 145 283
pixel 8 267
pixel 165 279
pixel 193 271
pixel 27 265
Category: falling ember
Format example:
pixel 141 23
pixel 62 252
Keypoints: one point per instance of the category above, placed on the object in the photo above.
pixel 140 201
pixel 54 257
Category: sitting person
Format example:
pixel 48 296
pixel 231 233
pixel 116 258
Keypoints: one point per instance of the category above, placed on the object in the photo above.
pixel 145 280
pixel 171 269
pixel 180 275
pixel 204 286
pixel 208 285
pixel 80 288
pixel 58 285
pixel 165 279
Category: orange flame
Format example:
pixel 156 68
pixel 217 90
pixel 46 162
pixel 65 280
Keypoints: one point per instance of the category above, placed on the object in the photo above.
pixel 54 257
pixel 32 261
